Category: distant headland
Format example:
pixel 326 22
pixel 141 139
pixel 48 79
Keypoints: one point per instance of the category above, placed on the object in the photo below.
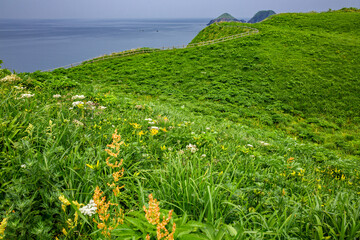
pixel 261 15
pixel 258 17
pixel 226 17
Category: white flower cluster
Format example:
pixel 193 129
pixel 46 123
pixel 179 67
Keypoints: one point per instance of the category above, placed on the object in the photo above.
pixel 78 123
pixel 78 97
pixel 75 104
pixel 192 148
pixel 264 143
pixel 10 78
pixel 89 209
pixel 19 88
pixel 57 96
pixel 101 107
pixel 26 95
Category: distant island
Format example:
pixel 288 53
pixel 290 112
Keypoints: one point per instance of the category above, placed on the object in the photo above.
pixel 261 15
pixel 226 17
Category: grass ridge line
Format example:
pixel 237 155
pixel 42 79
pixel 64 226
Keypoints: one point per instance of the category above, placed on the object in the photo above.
pixel 142 50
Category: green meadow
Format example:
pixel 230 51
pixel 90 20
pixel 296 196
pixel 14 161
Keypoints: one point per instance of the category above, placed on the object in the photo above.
pixel 256 137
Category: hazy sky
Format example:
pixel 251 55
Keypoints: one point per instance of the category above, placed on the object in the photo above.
pixel 159 8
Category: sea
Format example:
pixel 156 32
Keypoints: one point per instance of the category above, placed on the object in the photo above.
pixel 28 45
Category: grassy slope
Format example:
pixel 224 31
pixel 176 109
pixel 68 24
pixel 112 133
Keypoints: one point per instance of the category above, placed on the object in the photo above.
pixel 300 67
pixel 288 189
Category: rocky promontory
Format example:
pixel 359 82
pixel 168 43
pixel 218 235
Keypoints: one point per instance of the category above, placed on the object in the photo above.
pixel 226 17
pixel 261 15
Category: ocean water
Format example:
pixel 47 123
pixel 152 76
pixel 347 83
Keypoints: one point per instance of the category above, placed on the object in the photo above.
pixel 30 45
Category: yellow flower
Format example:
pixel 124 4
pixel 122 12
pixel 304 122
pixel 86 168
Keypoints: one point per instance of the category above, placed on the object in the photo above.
pixel 141 133
pixel 135 125
pixel 163 129
pixel 251 209
pixel 93 166
pixel 223 147
pixel 3 225
pixel 163 148
pixel 64 201
pixel 154 131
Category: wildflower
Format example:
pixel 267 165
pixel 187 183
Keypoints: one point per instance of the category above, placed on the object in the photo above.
pixel 152 214
pixel 101 107
pixel 252 156
pixel 78 97
pixel 163 148
pixel 148 119
pixel 23 166
pixel 203 156
pixel 93 166
pixel 19 88
pixel 57 96
pixel 153 131
pixel 26 95
pixel 264 143
pixel 89 209
pixel 141 133
pixel 78 123
pixel 90 103
pixel 135 125
pixel 191 148
pixel 64 232
pixel 139 107
pixel 3 225
pixel 77 104
pixel 151 123
pixel 251 209
pixel 10 78
pixel 64 201
pixel 249 145
pixel 181 152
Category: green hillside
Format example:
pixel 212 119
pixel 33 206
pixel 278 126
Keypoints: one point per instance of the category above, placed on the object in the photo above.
pixel 252 138
pixel 216 31
pixel 285 76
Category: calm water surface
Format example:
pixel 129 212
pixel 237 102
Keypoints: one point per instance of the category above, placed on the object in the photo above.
pixel 30 45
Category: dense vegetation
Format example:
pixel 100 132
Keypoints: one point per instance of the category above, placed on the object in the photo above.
pixel 254 138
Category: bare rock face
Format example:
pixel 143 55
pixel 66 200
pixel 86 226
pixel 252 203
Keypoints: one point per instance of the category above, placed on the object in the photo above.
pixel 226 17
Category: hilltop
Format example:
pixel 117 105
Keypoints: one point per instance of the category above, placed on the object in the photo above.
pixel 225 17
pixel 255 137
pixel 261 15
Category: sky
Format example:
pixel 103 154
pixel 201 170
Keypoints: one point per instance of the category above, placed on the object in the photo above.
pixel 103 9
